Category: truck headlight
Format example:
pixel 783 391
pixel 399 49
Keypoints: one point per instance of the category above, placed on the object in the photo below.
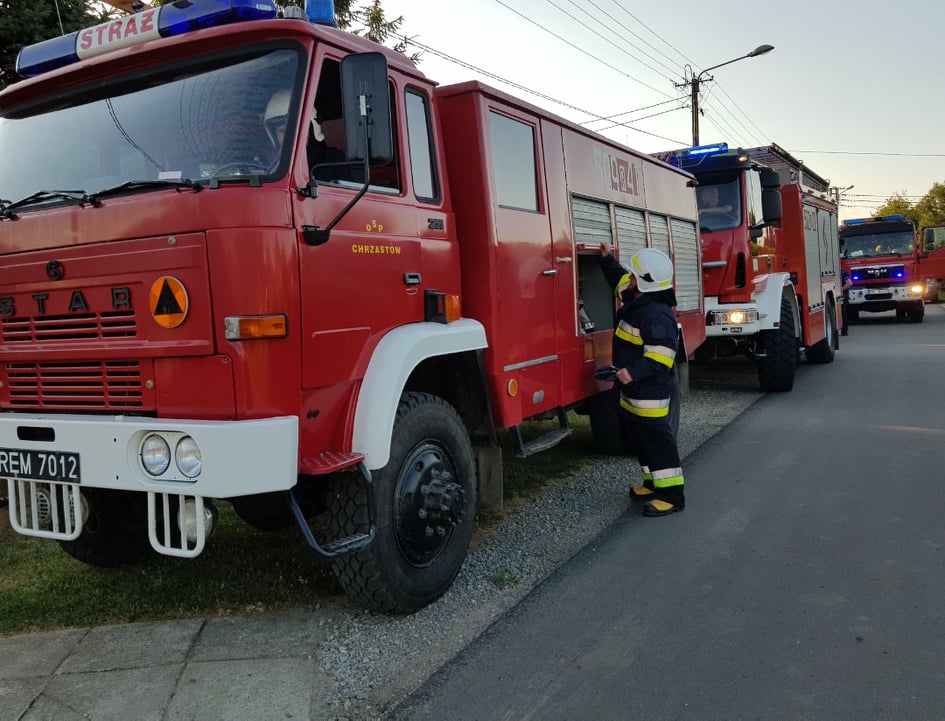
pixel 155 455
pixel 736 316
pixel 917 289
pixel 188 457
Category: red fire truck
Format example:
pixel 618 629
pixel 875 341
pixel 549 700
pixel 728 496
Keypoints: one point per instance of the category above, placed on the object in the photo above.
pixel 890 270
pixel 256 258
pixel 771 269
pixel 932 260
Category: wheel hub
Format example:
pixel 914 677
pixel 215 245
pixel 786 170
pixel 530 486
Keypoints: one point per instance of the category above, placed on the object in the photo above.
pixel 429 504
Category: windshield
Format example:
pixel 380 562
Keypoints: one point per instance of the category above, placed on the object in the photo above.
pixel 873 244
pixel 720 205
pixel 203 122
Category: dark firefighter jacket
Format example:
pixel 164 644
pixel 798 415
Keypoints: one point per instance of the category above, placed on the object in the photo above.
pixel 645 343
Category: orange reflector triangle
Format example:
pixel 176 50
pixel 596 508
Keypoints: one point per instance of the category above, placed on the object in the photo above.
pixel 168 302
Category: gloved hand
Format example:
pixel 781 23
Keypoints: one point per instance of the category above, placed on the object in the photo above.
pixel 605 373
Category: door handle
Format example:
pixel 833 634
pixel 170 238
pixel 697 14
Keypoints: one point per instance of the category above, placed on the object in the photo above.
pixel 550 271
pixel 564 259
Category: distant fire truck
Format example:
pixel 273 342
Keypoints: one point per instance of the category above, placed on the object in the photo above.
pixel 197 302
pixel 890 270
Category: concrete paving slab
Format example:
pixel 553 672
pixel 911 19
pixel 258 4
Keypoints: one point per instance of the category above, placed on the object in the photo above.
pixel 256 690
pixel 36 654
pixel 139 694
pixel 17 694
pixel 136 645
pixel 276 637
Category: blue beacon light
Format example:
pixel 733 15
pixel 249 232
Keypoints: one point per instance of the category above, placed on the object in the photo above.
pixel 708 149
pixel 321 12
pixel 157 22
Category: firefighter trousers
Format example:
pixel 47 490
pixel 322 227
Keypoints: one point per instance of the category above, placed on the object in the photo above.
pixel 655 444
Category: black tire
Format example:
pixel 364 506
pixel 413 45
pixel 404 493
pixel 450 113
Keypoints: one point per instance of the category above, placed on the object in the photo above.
pixel 823 352
pixel 917 312
pixel 853 314
pixel 776 370
pixel 115 532
pixel 607 433
pixel 429 483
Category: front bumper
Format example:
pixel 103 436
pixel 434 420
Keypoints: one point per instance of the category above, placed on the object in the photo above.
pixel 238 458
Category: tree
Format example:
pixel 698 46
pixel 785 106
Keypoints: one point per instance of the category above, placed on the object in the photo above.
pixel 898 205
pixel 931 209
pixel 24 22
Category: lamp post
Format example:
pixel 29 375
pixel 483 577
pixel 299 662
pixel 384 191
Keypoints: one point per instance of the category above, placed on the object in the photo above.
pixel 697 81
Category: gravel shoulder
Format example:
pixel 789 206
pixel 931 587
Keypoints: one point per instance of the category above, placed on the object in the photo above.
pixel 374 661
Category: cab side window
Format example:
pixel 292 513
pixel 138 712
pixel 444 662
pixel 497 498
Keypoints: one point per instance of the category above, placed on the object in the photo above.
pixel 420 147
pixel 326 138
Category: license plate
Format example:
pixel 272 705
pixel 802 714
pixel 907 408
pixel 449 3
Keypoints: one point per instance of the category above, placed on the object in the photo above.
pixel 878 296
pixel 61 466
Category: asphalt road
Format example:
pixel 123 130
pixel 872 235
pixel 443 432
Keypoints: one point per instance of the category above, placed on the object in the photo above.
pixel 805 580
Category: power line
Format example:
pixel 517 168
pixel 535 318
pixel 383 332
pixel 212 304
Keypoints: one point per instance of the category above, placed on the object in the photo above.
pixel 582 50
pixel 870 152
pixel 625 52
pixel 519 86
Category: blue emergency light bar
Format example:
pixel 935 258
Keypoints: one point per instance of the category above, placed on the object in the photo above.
pixel 877 219
pixel 708 149
pixel 157 22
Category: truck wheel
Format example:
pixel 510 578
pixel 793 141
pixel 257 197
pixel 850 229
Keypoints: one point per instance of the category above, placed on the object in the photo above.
pixel 853 314
pixel 776 369
pixel 823 352
pixel 425 499
pixel 917 312
pixel 607 434
pixel 115 532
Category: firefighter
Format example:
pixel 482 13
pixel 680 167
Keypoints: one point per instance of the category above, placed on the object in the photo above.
pixel 644 354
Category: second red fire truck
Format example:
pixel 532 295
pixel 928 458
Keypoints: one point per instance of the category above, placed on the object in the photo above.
pixel 770 258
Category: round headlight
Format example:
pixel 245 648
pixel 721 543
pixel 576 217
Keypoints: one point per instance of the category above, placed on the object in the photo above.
pixel 155 455
pixel 189 460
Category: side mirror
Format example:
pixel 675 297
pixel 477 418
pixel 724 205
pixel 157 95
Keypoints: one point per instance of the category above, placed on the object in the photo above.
pixel 365 94
pixel 771 209
pixel 770 178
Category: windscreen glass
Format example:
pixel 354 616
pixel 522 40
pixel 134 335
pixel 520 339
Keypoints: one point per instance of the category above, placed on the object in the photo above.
pixel 224 120
pixel 719 201
pixel 873 244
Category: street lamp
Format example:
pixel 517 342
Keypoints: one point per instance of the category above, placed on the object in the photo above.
pixel 697 80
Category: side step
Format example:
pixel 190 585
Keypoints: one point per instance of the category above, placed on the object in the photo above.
pixel 549 440
pixel 340 546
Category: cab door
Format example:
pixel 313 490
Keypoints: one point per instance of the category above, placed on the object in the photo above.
pixel 526 272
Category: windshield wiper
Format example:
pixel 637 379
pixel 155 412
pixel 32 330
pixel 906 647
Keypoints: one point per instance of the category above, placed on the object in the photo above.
pixel 78 195
pixel 148 185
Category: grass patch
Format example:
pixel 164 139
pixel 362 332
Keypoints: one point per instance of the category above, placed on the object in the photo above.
pixel 241 571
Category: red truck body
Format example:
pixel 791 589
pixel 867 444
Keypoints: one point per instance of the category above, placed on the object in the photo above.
pixel 203 321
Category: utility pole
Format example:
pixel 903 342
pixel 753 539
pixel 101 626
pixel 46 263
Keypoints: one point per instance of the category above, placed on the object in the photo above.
pixel 697 79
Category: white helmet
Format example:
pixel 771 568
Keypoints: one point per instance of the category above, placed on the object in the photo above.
pixel 276 112
pixel 652 269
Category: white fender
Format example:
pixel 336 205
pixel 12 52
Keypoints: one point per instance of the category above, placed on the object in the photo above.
pixel 394 359
pixel 768 291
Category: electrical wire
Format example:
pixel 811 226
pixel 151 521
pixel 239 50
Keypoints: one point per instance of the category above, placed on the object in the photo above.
pixel 580 49
pixel 519 86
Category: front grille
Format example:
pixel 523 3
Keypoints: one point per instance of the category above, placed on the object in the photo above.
pixel 77 386
pixel 75 326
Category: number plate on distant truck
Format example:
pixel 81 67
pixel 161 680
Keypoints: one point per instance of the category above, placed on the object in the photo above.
pixel 60 466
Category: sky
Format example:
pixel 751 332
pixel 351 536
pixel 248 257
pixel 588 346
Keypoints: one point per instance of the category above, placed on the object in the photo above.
pixel 852 88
